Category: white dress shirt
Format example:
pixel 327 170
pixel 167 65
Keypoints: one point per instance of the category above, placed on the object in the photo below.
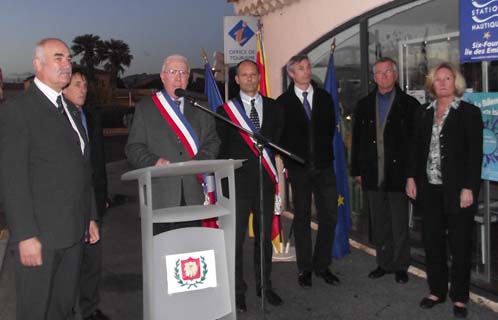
pixel 52 95
pixel 299 94
pixel 258 104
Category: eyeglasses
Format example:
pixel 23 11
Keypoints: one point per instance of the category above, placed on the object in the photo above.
pixel 388 72
pixel 174 72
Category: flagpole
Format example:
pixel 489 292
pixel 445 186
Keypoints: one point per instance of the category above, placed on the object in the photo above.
pixel 204 56
pixel 226 82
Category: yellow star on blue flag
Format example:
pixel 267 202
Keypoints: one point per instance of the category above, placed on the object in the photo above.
pixel 340 200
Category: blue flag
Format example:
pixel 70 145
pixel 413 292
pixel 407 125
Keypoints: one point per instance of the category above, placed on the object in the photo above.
pixel 211 89
pixel 341 241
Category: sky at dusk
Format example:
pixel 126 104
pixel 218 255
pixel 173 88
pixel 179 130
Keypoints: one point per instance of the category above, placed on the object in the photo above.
pixel 153 29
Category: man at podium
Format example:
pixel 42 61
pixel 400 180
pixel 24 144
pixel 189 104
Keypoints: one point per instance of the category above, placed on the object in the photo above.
pixel 168 129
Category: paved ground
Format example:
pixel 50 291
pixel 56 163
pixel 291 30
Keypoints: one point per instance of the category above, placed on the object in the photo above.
pixel 356 298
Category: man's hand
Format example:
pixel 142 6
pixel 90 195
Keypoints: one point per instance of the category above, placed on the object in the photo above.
pixel 161 162
pixel 411 188
pixel 30 252
pixel 93 233
pixel 466 198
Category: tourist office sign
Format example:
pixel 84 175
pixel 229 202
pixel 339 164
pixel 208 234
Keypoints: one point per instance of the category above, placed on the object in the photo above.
pixel 240 38
pixel 478 30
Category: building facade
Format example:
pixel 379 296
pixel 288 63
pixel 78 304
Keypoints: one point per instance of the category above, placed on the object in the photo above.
pixel 418 34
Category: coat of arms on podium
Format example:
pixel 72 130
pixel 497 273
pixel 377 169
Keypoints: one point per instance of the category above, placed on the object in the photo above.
pixel 190 271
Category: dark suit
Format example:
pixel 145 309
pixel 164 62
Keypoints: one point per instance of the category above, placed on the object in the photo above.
pixel 152 138
pixel 48 194
pixel 91 266
pixel 247 190
pixel 442 217
pixel 312 141
pixel 387 200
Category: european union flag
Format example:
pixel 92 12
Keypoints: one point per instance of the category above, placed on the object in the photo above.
pixel 211 88
pixel 341 241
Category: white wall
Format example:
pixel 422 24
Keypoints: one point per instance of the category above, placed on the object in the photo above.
pixel 289 30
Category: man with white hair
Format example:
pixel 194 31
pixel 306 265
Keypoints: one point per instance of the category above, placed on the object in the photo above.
pixel 156 138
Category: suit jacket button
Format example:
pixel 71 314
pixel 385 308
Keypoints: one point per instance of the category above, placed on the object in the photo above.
pixel 181 153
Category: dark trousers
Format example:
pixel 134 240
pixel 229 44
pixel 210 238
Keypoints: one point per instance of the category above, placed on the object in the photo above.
pixel 391 237
pixel 91 273
pixel 48 292
pixel 440 228
pixel 322 184
pixel 247 202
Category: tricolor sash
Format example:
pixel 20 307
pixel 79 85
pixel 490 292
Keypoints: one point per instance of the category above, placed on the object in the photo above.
pixel 177 121
pixel 183 130
pixel 237 114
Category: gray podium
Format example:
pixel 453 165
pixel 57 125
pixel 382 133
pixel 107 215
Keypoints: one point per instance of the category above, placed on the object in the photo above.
pixel 216 302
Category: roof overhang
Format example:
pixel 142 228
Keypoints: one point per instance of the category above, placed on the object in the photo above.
pixel 258 7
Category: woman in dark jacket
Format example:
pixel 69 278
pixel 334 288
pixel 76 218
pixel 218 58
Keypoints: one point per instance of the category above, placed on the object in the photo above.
pixel 444 178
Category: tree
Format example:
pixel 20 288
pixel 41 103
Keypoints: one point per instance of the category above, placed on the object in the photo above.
pixel 91 49
pixel 116 54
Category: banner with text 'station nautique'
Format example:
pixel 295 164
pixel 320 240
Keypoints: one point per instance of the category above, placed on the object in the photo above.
pixel 478 30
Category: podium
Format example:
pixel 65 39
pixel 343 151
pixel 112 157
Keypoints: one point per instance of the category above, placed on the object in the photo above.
pixel 216 301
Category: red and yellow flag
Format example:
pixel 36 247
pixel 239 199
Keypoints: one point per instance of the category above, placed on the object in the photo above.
pixel 264 89
pixel 264 84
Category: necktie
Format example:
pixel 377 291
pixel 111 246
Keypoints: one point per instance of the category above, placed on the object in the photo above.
pixel 178 104
pixel 60 108
pixel 306 104
pixel 83 121
pixel 254 115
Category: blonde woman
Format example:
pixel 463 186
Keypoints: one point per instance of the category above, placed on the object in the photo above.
pixel 444 179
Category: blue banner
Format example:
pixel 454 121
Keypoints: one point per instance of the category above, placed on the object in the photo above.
pixel 211 88
pixel 478 30
pixel 488 102
pixel 343 226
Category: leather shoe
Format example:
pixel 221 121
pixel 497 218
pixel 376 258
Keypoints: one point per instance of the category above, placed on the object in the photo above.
pixel 304 279
pixel 377 273
pixel 428 303
pixel 460 312
pixel 240 303
pixel 328 277
pixel 401 276
pixel 271 296
pixel 97 315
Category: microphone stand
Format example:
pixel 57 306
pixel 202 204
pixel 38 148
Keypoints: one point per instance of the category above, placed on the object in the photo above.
pixel 260 142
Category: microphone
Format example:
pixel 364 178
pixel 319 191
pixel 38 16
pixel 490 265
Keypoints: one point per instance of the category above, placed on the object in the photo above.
pixel 190 94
